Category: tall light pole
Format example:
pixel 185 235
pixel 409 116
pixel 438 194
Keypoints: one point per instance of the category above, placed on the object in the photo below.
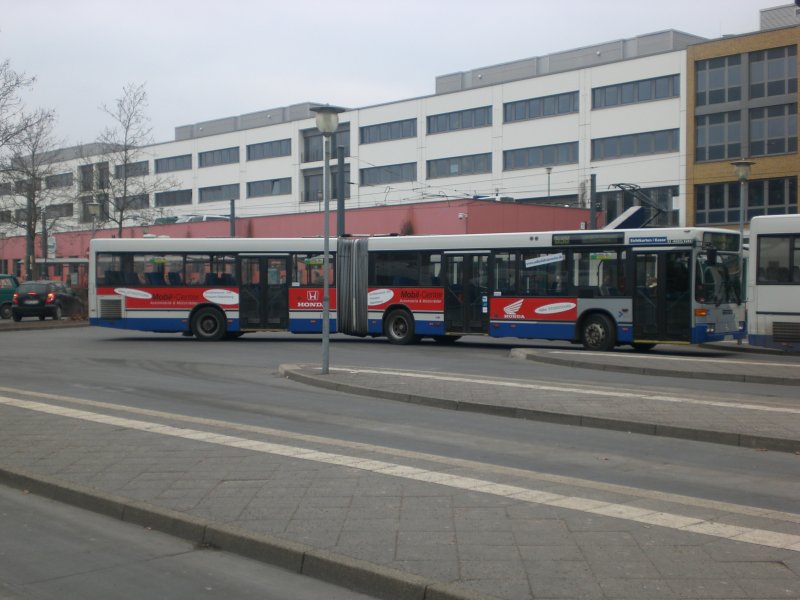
pixel 549 170
pixel 327 122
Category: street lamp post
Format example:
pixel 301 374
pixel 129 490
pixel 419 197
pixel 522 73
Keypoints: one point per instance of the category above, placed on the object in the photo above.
pixel 742 167
pixel 327 122
pixel 549 170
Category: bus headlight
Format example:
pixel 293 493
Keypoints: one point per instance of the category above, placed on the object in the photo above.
pixel 711 328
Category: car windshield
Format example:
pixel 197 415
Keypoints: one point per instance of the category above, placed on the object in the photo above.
pixel 717 281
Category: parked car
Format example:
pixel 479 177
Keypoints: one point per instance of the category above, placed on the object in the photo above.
pixel 200 218
pixel 8 284
pixel 44 299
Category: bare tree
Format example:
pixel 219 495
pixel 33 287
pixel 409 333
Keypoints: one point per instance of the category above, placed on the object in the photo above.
pixel 128 183
pixel 13 119
pixel 32 167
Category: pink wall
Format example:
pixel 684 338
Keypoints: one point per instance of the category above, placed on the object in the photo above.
pixel 447 217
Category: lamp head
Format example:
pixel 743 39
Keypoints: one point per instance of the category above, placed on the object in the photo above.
pixel 327 118
pixel 742 167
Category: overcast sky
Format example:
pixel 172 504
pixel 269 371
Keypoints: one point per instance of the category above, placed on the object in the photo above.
pixel 204 59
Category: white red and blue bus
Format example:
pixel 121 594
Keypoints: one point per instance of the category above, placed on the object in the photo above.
pixel 773 298
pixel 598 288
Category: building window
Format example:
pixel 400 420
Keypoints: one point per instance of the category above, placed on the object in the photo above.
pixel 718 203
pixel 540 156
pixel 632 92
pixel 389 174
pixel 772 197
pixel 718 136
pixel 312 183
pixel 58 181
pixel 773 72
pixel 460 165
pixel 219 193
pixel 719 80
pixel 773 130
pixel 135 202
pixel 103 176
pixel 396 130
pixel 536 108
pixel 269 149
pixel 460 119
pixel 174 163
pixel 59 210
pixel 313 143
pixel 269 187
pixel 637 144
pixel 136 169
pixel 86 177
pixel 174 198
pixel 213 158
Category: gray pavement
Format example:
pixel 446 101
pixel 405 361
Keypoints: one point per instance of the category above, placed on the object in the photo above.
pixel 400 524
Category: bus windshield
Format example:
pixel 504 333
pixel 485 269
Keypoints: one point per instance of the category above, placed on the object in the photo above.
pixel 717 279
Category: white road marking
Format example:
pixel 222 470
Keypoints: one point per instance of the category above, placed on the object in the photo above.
pixel 678 522
pixel 615 393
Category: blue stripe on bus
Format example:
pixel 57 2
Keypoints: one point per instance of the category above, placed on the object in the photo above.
pixel 700 335
pixel 532 330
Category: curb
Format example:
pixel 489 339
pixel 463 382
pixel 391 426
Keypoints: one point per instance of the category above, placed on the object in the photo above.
pixel 743 440
pixel 353 574
pixel 522 354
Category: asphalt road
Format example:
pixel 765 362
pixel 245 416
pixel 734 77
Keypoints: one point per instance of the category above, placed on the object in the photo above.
pixel 52 551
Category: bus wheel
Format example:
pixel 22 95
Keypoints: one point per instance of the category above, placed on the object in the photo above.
pixel 642 346
pixel 399 327
pixel 446 339
pixel 598 333
pixel 208 324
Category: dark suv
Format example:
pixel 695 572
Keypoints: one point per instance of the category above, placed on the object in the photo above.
pixel 44 299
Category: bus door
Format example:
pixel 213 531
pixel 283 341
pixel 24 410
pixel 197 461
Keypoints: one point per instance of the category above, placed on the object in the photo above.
pixel 662 304
pixel 466 293
pixel 264 292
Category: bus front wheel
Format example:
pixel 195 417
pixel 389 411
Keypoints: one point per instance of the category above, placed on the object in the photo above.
pixel 208 325
pixel 598 333
pixel 399 327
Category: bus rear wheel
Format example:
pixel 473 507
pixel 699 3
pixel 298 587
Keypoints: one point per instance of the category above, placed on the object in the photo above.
pixel 208 325
pixel 399 327
pixel 597 333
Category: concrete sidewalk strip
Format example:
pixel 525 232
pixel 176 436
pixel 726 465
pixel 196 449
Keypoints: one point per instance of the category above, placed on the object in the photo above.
pixel 357 575
pixel 637 364
pixel 768 427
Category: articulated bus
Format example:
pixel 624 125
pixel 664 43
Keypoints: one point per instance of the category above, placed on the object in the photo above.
pixel 773 299
pixel 597 288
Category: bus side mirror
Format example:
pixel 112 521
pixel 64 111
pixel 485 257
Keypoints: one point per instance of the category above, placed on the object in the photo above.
pixel 711 256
